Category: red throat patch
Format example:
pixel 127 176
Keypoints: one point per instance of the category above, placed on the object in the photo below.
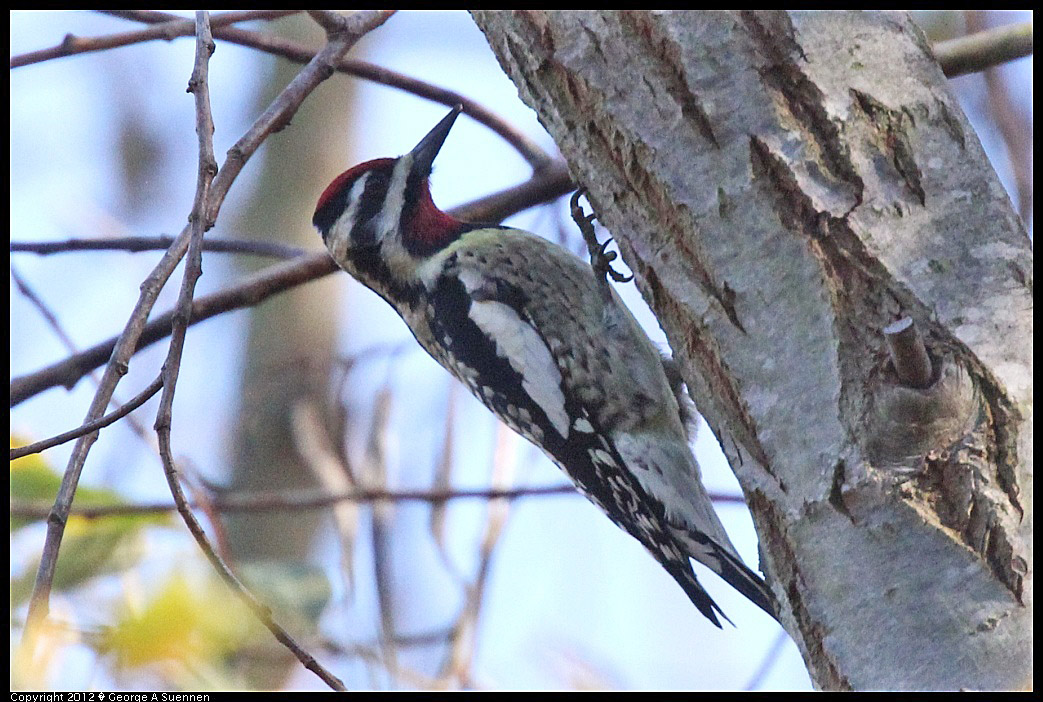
pixel 429 224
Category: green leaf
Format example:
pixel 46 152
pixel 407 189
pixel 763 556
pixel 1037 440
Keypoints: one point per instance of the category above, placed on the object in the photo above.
pixel 90 547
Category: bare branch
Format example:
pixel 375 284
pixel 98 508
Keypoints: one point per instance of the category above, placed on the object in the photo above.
pixel 274 501
pixel 284 107
pixel 329 20
pixel 169 30
pixel 459 658
pixel 252 290
pixel 44 444
pixel 201 219
pixel 317 449
pixel 373 475
pixel 199 223
pixel 293 51
pixel 442 480
pixel 42 308
pixel 134 244
pixel 52 319
pixel 981 50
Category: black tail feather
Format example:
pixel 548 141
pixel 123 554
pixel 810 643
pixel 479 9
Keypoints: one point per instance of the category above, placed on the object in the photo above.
pixel 752 586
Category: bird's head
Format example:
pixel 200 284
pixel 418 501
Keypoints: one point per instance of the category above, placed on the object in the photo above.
pixel 384 206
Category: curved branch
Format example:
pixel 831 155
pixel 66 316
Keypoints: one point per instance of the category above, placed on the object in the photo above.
pixel 169 29
pixel 134 244
pixel 293 51
pixel 135 402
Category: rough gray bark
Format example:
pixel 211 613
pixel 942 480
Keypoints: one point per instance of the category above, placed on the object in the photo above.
pixel 785 186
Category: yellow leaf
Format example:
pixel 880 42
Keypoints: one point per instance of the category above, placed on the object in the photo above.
pixel 184 622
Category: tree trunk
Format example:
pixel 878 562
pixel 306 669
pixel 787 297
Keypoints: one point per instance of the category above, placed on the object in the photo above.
pixel 288 353
pixel 785 187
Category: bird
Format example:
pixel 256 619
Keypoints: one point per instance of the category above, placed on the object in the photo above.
pixel 527 327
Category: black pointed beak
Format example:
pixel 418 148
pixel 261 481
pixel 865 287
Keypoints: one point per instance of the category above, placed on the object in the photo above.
pixel 424 153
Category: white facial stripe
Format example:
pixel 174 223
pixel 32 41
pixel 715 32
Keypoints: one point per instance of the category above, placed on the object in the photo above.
pixel 519 343
pixel 398 260
pixel 396 197
pixel 341 238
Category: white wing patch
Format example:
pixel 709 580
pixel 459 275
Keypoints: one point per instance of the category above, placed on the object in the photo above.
pixel 524 349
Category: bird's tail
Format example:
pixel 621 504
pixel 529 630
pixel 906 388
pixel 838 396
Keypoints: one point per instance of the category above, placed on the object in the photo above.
pixel 723 561
pixel 738 575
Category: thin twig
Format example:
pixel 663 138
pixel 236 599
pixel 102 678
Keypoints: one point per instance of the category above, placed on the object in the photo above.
pixel 250 291
pixel 134 244
pixel 1013 124
pixel 276 501
pixel 369 654
pixel 373 475
pixel 201 498
pixel 52 320
pixel 546 185
pixel 169 29
pixel 443 480
pixel 317 450
pixel 135 402
pixel 981 50
pixel 462 642
pixel 41 307
pixel 285 106
pixel 768 662
pixel 293 51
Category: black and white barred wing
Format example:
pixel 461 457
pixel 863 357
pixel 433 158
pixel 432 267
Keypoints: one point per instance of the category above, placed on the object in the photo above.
pixel 595 408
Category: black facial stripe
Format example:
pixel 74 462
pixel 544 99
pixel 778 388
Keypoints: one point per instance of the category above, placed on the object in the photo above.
pixel 371 269
pixel 327 215
pixel 370 202
pixel 410 197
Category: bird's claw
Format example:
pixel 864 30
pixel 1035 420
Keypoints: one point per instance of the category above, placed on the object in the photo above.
pixel 600 257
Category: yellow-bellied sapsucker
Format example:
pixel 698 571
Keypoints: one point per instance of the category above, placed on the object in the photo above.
pixel 522 323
